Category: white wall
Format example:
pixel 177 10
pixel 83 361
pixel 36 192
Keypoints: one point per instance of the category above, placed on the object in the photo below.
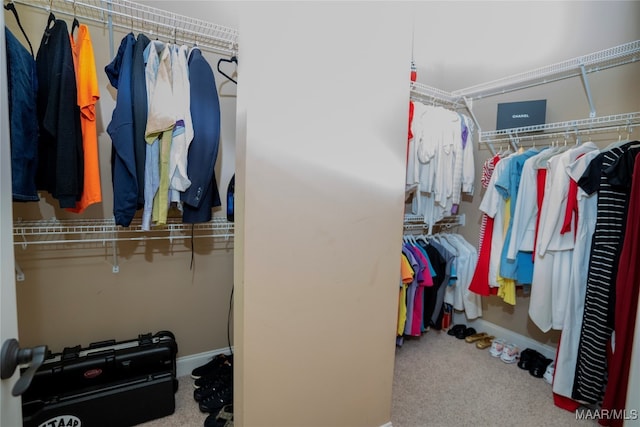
pixel 10 413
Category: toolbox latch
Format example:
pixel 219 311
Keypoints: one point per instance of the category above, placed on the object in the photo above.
pixel 70 353
pixel 145 339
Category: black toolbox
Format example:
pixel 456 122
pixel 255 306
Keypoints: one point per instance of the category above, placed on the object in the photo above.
pixel 109 383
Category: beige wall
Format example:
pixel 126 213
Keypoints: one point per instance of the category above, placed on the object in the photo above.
pixel 323 178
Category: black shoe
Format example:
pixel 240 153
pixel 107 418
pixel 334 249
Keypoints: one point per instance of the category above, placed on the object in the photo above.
pixel 203 392
pixel 211 366
pixel 456 329
pixel 539 366
pixel 527 356
pixel 224 417
pixel 224 372
pixel 217 400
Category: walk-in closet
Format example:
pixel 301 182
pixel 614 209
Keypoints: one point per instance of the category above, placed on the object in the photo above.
pixel 320 206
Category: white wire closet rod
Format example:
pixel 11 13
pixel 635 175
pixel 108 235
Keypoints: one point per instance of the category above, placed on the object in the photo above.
pixel 596 61
pixel 131 16
pixel 421 91
pixel 416 222
pixel 56 231
pixel 620 122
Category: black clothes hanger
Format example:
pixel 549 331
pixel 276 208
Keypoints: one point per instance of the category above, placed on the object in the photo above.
pixel 233 60
pixel 52 18
pixel 75 25
pixel 12 7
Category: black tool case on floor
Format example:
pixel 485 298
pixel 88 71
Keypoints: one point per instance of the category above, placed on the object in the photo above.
pixel 109 383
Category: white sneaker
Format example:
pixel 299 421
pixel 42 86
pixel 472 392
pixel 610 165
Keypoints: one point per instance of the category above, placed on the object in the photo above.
pixel 510 353
pixel 548 374
pixel 496 347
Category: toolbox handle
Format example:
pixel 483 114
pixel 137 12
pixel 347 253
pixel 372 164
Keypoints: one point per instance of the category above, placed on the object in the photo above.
pixel 102 343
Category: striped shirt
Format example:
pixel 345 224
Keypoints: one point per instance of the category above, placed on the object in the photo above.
pixel 591 364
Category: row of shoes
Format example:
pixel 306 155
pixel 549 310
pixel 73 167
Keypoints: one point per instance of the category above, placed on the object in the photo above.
pixel 214 390
pixel 470 335
pixel 528 359
pixel 531 360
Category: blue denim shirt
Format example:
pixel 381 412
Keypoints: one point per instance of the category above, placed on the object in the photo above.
pixel 23 119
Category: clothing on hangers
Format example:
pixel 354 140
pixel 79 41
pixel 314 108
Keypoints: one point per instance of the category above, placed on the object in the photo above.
pixel 60 155
pixel 140 112
pixel 22 86
pixel 203 194
pixel 88 95
pixel 125 185
pixel 439 162
pixel 596 329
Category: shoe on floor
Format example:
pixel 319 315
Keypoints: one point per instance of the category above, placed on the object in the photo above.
pixel 224 418
pixel 510 353
pixel 212 366
pixel 496 347
pixel 467 332
pixel 485 342
pixel 201 393
pixel 216 401
pixel 548 374
pixel 527 357
pixel 539 366
pixel 475 337
pixel 456 329
pixel 225 372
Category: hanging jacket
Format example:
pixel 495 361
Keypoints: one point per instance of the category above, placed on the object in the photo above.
pixel 125 185
pixel 23 119
pixel 139 93
pixel 60 152
pixel 203 193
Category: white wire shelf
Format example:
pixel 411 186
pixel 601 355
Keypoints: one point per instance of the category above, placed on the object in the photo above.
pixel 56 231
pixel 131 16
pixel 421 91
pixel 620 122
pixel 417 222
pixel 593 62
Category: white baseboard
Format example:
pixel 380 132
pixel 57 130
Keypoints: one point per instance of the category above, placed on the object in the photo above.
pixel 521 341
pixel 186 364
pixel 387 424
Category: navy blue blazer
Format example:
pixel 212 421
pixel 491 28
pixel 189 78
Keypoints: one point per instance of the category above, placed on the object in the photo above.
pixel 203 194
pixel 123 162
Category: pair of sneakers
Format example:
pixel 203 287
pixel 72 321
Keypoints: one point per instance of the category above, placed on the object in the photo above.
pixel 507 352
pixel 536 363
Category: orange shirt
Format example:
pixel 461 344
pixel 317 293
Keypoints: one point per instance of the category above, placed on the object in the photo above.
pixel 88 95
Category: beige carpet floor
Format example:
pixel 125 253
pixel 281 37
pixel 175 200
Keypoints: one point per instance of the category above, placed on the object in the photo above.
pixel 440 381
